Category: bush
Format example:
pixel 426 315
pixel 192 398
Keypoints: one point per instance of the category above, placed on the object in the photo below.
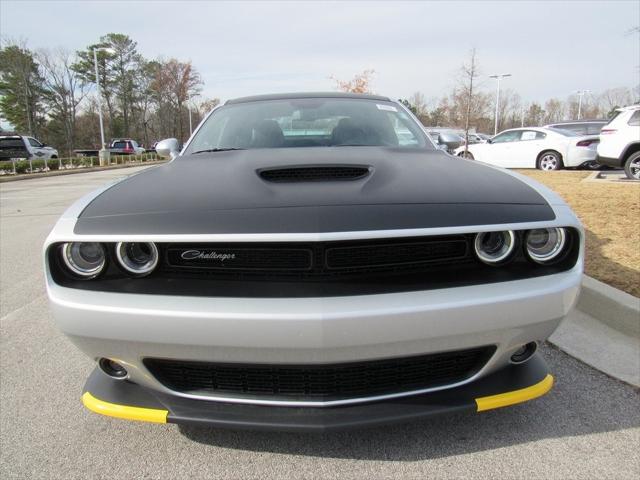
pixel 22 166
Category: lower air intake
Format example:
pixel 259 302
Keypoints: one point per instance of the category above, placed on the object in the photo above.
pixel 320 382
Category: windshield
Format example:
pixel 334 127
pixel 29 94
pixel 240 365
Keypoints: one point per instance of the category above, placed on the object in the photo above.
pixel 308 122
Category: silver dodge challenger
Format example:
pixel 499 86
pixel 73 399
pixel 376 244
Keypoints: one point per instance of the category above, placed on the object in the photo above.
pixel 311 262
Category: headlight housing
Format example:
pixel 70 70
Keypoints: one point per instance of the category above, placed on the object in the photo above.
pixel 544 245
pixel 84 259
pixel 137 258
pixel 494 248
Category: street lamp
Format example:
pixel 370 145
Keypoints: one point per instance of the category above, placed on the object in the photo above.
pixel 103 155
pixel 581 94
pixel 498 77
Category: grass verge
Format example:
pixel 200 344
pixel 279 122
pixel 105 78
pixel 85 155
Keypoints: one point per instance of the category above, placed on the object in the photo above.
pixel 610 213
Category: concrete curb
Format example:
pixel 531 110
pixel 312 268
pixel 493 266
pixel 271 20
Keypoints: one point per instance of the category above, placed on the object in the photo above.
pixel 603 331
pixel 56 173
pixel 611 306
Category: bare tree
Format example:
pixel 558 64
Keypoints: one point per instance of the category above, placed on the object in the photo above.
pixel 175 82
pixel 64 91
pixel 469 74
pixel 360 83
pixel 614 98
pixel 554 110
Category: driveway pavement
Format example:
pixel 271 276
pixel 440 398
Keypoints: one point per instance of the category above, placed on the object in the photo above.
pixel 587 427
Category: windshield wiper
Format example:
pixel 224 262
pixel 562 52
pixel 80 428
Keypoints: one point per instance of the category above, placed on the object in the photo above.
pixel 217 150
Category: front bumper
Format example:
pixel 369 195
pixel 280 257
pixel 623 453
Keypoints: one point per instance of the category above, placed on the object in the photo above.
pixel 129 328
pixel 508 386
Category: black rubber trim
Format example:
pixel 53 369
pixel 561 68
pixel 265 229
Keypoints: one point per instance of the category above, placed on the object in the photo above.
pixel 167 281
pixel 610 161
pixel 294 96
pixel 253 417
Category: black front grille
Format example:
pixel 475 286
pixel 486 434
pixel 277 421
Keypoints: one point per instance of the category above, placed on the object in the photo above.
pixel 314 174
pixel 359 256
pixel 313 261
pixel 320 382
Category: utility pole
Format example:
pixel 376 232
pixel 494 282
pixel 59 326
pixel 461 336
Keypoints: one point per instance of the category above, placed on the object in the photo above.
pixel 498 77
pixel 580 94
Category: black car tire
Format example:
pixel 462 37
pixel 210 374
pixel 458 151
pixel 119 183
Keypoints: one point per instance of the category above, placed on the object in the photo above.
pixel 632 166
pixel 468 155
pixel 549 160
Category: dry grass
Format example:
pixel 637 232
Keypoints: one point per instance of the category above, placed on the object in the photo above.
pixel 610 213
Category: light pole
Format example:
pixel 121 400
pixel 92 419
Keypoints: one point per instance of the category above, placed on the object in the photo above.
pixel 103 155
pixel 580 94
pixel 498 77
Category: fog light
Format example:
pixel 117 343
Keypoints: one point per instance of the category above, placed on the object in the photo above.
pixel 524 353
pixel 113 369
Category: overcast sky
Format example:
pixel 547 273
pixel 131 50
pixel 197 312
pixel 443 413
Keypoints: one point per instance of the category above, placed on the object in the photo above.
pixel 244 48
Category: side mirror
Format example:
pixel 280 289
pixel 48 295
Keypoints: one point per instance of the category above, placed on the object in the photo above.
pixel 168 148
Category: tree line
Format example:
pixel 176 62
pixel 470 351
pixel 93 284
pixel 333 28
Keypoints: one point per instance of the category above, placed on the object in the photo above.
pixel 451 110
pixel 471 102
pixel 51 93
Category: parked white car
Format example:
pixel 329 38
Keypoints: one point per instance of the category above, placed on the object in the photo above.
pixel 17 147
pixel 620 142
pixel 543 148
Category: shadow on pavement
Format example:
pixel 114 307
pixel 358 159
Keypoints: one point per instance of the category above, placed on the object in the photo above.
pixel 583 401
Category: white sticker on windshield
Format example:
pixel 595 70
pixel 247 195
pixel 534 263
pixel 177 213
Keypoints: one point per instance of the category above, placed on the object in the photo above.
pixel 388 108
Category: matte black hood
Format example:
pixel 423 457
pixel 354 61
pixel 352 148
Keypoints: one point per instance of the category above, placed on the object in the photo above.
pixel 223 193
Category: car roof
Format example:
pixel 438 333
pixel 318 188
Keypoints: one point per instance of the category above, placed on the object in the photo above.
pixel 572 122
pixel 290 96
pixel 630 107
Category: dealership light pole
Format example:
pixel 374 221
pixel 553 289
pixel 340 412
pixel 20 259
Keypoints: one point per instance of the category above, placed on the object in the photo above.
pixel 103 155
pixel 498 77
pixel 580 94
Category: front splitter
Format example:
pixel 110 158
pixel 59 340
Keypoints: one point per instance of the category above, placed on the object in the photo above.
pixel 122 399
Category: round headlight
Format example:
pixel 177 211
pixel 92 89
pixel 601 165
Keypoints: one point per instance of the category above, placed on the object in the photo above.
pixel 545 244
pixel 138 258
pixel 84 259
pixel 494 247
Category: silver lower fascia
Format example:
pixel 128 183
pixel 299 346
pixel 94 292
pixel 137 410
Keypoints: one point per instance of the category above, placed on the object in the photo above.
pixel 128 328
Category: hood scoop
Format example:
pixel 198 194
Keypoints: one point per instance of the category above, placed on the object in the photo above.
pixel 314 173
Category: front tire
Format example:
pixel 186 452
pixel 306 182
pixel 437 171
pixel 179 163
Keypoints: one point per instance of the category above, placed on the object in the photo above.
pixel 632 166
pixel 468 155
pixel 549 161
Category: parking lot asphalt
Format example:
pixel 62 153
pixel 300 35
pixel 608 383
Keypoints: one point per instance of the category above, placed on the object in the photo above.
pixel 588 426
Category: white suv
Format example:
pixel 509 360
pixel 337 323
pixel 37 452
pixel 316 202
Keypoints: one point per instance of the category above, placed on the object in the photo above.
pixel 620 142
